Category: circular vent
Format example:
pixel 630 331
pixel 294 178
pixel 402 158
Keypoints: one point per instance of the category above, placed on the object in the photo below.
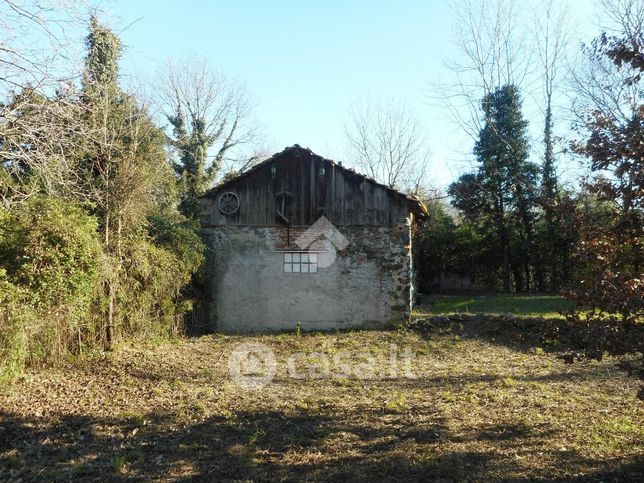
pixel 229 203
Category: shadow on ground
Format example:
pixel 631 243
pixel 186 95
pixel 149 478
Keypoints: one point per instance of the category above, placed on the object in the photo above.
pixel 574 340
pixel 273 445
pixel 335 430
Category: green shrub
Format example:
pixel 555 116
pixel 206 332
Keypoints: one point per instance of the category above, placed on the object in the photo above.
pixel 13 341
pixel 52 261
pixel 157 268
pixel 54 273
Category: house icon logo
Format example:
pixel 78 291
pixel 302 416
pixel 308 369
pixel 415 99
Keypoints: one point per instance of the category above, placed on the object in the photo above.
pixel 323 238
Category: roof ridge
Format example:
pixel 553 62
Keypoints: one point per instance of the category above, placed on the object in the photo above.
pixel 297 147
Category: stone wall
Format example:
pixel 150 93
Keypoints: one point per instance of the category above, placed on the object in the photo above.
pixel 367 285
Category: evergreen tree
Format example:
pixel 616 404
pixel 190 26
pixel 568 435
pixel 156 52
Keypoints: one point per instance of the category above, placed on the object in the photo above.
pixel 549 191
pixel 500 198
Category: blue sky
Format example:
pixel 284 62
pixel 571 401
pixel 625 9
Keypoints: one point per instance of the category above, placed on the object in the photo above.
pixel 305 62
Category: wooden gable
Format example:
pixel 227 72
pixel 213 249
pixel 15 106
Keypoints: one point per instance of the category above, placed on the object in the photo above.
pixel 296 187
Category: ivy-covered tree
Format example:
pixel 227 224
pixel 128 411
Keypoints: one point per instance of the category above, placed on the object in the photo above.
pixel 101 62
pixel 211 120
pixel 130 180
pixel 92 246
pixel 552 40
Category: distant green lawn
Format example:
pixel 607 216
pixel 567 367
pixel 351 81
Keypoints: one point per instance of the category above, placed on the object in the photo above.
pixel 521 305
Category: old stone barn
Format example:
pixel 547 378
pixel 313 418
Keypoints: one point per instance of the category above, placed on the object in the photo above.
pixel 301 239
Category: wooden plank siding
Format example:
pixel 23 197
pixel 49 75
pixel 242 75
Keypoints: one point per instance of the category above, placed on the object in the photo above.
pixel 343 196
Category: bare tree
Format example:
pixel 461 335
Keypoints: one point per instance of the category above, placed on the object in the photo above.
pixel 551 37
pixel 40 113
pixel 211 119
pixel 551 31
pixel 36 39
pixel 599 85
pixel 40 138
pixel 622 17
pixel 387 141
pixel 210 105
pixel 491 44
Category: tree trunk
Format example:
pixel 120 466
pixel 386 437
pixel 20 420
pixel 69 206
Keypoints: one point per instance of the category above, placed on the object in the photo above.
pixel 566 265
pixel 539 275
pixel 505 240
pixel 109 325
pixel 109 329
pixel 506 262
pixel 518 278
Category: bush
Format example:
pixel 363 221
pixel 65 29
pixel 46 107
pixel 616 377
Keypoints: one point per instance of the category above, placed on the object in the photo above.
pixel 157 269
pixel 13 340
pixel 52 265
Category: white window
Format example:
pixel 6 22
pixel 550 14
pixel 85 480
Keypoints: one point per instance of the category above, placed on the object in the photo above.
pixel 300 262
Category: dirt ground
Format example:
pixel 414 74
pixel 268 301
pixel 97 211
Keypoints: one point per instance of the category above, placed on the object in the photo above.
pixel 349 406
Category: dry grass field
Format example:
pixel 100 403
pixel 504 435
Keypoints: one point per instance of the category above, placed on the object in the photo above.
pixel 478 408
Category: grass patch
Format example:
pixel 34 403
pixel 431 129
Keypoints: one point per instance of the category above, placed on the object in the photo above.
pixel 118 464
pixel 547 306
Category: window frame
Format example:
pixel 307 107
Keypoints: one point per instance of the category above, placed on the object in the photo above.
pixel 300 262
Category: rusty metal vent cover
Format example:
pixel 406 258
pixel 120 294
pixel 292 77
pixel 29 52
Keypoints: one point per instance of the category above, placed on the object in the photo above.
pixel 229 203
